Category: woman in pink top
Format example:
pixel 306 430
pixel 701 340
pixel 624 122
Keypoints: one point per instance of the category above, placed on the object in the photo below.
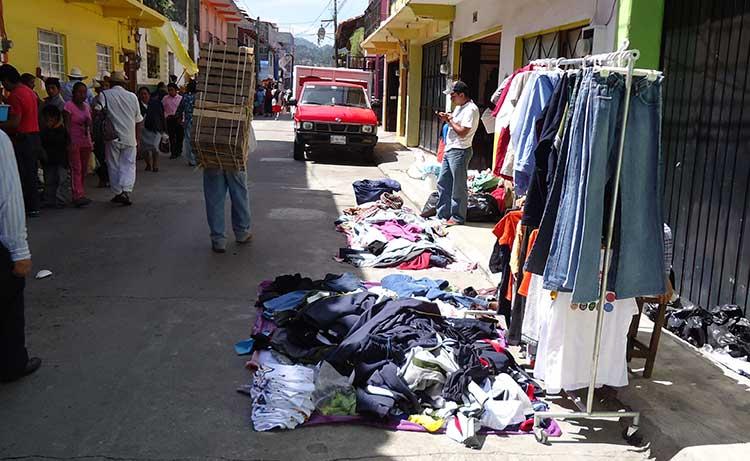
pixel 174 122
pixel 78 120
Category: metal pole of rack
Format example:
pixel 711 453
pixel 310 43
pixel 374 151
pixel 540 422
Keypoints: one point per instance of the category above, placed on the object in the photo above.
pixel 588 412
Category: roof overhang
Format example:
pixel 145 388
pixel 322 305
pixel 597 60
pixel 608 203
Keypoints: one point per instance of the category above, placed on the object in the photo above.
pixel 134 11
pixel 414 22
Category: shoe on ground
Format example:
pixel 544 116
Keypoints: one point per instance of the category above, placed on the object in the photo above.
pixel 216 248
pixel 192 164
pixel 155 170
pixel 82 202
pixel 148 167
pixel 247 239
pixel 33 214
pixel 452 222
pixel 122 199
pixel 31 366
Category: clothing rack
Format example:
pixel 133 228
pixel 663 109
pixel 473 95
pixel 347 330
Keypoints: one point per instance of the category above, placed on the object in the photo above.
pixel 623 62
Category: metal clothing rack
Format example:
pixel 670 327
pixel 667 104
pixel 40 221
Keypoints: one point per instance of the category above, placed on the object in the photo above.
pixel 623 62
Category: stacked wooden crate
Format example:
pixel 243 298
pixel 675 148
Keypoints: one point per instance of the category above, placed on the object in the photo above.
pixel 223 106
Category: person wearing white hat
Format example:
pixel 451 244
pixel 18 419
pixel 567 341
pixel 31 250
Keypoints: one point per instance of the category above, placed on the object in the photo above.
pixel 123 109
pixel 74 77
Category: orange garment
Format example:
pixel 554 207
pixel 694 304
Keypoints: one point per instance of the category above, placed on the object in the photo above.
pixel 505 229
pixel 523 290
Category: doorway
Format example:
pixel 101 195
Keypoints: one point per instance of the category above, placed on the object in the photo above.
pixel 434 59
pixel 479 67
pixel 391 102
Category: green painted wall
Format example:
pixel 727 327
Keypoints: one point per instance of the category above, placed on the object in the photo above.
pixel 641 22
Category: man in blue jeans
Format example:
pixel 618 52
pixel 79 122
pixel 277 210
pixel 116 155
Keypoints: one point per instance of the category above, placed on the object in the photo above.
pixel 216 184
pixel 452 182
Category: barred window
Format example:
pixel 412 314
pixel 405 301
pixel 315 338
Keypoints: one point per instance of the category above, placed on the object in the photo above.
pixel 570 43
pixel 103 60
pixel 152 61
pixel 51 54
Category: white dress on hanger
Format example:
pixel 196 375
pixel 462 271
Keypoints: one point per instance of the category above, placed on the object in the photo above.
pixel 566 342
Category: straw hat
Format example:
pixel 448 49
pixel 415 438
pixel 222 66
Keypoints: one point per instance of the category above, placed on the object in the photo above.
pixel 118 76
pixel 75 72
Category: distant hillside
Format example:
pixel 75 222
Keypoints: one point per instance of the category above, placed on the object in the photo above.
pixel 310 54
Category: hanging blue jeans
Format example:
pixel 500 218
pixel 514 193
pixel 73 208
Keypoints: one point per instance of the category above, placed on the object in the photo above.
pixel 216 184
pixel 453 194
pixel 638 267
pixel 561 250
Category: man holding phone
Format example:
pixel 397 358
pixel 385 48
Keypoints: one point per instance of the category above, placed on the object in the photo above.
pixel 452 182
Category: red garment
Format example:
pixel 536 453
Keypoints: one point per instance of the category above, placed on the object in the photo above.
pixel 420 262
pixel 505 91
pixel 502 148
pixel 441 150
pixel 499 195
pixel 523 290
pixel 23 102
pixel 505 230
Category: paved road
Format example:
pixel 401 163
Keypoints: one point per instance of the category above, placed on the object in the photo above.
pixel 137 324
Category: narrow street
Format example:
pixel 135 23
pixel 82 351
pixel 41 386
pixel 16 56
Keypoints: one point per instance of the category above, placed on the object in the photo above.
pixel 137 324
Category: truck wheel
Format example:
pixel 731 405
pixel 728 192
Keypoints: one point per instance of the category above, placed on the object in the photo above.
pixel 299 151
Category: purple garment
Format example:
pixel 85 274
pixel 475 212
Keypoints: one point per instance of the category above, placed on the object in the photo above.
pixel 395 424
pixel 399 229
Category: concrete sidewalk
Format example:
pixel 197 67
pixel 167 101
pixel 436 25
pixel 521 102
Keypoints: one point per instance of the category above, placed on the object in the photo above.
pixel 691 409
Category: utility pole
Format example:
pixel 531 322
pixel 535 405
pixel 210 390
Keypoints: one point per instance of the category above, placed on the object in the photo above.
pixel 190 28
pixel 335 31
pixel 257 46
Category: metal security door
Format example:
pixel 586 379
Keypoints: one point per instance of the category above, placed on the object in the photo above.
pixel 706 139
pixel 433 83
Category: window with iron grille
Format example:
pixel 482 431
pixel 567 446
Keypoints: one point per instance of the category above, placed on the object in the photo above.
pixel 152 61
pixel 51 54
pixel 103 59
pixel 570 43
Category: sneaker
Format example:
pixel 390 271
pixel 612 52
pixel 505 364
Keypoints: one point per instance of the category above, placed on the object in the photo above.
pixel 216 248
pixel 126 199
pixel 82 202
pixel 247 239
pixel 33 214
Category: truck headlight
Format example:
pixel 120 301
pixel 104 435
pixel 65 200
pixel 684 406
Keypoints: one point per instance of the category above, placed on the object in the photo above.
pixel 368 129
pixel 307 125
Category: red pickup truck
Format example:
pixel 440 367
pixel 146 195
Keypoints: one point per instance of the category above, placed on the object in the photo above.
pixel 333 115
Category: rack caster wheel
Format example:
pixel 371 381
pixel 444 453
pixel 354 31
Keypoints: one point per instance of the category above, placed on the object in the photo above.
pixel 541 436
pixel 632 435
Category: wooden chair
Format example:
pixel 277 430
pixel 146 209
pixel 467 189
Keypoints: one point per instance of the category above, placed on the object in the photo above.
pixel 637 349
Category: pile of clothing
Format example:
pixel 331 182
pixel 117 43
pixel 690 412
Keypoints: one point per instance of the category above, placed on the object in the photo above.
pixel 385 233
pixel 400 350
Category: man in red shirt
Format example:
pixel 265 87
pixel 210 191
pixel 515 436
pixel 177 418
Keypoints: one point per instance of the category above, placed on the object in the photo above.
pixel 23 127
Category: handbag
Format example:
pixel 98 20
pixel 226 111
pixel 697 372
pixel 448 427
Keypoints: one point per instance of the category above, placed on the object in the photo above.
pixel 108 129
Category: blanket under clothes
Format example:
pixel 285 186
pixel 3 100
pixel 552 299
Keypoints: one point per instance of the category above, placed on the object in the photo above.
pixel 397 353
pixel 386 233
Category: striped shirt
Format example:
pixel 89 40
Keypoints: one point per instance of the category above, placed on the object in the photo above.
pixel 668 249
pixel 12 211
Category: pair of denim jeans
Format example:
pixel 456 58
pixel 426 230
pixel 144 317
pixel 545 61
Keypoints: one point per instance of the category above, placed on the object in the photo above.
pixel 453 189
pixel 216 184
pixel 575 258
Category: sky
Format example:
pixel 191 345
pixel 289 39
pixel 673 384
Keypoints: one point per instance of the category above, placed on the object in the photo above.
pixel 302 17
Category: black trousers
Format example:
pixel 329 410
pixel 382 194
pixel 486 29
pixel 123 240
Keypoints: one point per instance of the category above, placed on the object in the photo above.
pixel 13 355
pixel 101 170
pixel 176 132
pixel 27 148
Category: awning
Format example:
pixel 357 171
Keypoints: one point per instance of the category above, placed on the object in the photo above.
pixel 136 12
pixel 417 22
pixel 167 33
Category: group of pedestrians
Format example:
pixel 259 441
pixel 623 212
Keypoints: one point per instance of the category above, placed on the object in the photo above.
pixel 60 133
pixel 270 101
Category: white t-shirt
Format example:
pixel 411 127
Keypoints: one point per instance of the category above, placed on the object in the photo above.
pixel 124 111
pixel 468 117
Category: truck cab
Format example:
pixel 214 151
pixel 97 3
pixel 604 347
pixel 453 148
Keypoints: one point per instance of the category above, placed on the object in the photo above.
pixel 333 115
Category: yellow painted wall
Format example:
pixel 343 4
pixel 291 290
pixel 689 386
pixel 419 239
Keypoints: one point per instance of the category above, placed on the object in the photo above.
pixel 82 26
pixel 413 95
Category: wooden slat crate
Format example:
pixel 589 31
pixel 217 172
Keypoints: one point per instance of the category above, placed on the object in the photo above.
pixel 223 106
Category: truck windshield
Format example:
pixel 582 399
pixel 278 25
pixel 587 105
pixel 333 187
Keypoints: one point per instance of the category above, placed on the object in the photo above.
pixel 334 96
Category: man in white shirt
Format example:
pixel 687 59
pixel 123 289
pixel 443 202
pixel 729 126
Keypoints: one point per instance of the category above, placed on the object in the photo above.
pixel 452 182
pixel 124 111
